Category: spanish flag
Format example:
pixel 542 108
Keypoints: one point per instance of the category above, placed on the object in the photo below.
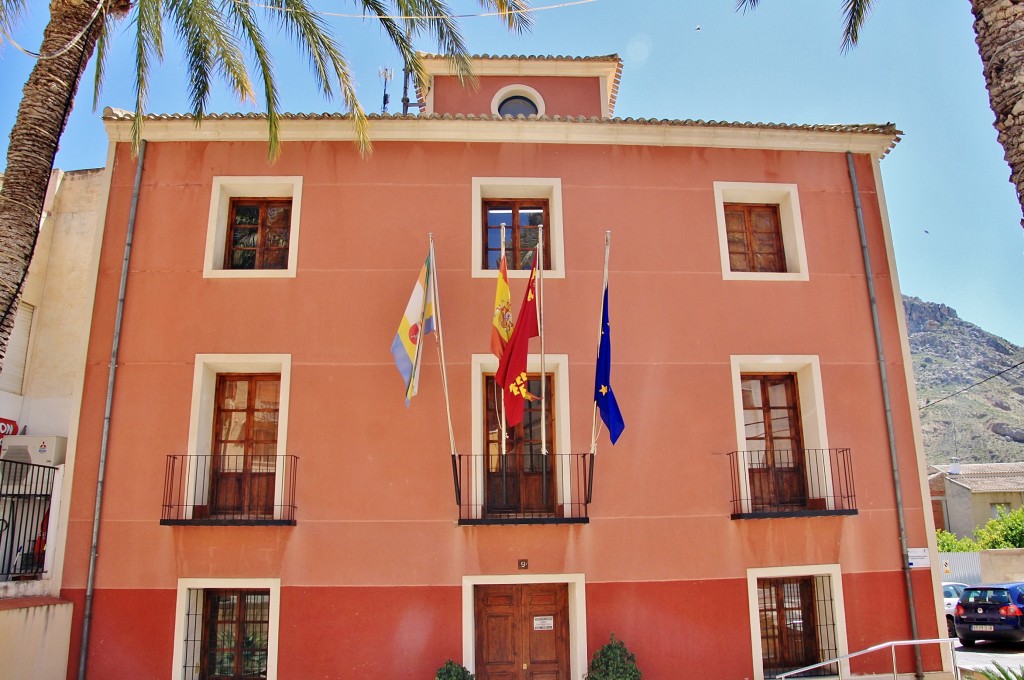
pixel 511 373
pixel 501 326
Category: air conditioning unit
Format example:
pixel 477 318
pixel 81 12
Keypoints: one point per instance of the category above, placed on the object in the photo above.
pixel 37 450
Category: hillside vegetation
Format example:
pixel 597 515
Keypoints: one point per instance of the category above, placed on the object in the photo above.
pixel 984 424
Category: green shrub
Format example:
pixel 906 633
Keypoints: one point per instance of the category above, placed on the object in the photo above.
pixel 453 671
pixel 948 542
pixel 1001 673
pixel 613 662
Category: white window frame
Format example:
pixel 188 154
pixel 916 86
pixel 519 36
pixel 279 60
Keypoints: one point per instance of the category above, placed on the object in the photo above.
pixel 187 585
pixel 519 187
pixel 228 187
pixel 787 198
pixel 556 365
pixel 838 608
pixel 810 393
pixel 577 614
pixel 518 90
pixel 200 427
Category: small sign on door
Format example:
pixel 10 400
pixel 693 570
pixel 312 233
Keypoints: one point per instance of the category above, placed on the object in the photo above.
pixel 543 622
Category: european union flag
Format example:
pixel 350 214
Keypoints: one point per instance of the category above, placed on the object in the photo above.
pixel 603 394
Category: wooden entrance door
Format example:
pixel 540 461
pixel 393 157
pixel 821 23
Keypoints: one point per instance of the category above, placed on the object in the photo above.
pixel 522 631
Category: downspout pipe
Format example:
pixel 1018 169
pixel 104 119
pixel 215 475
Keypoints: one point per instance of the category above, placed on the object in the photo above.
pixel 894 459
pixel 112 374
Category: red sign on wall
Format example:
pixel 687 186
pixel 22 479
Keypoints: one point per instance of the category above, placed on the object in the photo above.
pixel 8 427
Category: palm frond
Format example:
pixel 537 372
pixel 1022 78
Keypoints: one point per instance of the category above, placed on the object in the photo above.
pixel 746 5
pixel 246 22
pixel 11 12
pixel 210 48
pixel 102 50
pixel 1001 672
pixel 149 43
pixel 308 29
pixel 517 14
pixel 856 12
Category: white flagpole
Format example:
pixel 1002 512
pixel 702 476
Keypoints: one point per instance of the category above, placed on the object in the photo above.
pixel 440 344
pixel 595 430
pixel 540 330
pixel 501 400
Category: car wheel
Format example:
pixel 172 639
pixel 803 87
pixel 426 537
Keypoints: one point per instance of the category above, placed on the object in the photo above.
pixel 967 642
pixel 950 628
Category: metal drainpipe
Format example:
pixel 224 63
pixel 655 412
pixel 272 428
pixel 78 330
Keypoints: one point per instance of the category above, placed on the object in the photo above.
pixel 919 672
pixel 115 346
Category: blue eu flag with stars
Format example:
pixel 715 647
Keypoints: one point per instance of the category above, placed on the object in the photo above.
pixel 603 394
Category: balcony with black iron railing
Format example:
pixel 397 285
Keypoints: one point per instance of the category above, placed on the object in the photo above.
pixel 792 483
pixel 517 488
pixel 231 490
pixel 26 494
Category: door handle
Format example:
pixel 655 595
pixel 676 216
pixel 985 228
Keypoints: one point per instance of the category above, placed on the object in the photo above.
pixel 524 666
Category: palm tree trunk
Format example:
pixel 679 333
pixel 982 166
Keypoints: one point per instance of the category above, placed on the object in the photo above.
pixel 999 33
pixel 43 113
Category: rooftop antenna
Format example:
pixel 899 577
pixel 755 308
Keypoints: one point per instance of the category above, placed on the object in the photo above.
pixel 386 75
pixel 406 74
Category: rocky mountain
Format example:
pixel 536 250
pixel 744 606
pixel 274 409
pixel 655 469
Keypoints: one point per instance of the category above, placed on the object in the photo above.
pixel 984 424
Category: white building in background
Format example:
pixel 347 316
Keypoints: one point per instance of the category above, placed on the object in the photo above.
pixel 40 392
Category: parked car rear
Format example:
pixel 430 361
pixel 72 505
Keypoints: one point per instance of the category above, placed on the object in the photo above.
pixel 951 591
pixel 990 612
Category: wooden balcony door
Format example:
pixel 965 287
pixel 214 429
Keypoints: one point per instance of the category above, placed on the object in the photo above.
pixel 774 440
pixel 244 461
pixel 522 481
pixel 522 631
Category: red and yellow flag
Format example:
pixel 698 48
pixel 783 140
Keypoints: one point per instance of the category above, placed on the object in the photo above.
pixel 501 326
pixel 511 373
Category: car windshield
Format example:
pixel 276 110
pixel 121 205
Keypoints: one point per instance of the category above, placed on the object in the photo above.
pixel 985 596
pixel 952 590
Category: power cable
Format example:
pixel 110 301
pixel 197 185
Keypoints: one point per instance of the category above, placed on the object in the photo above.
pixel 340 15
pixel 61 51
pixel 970 387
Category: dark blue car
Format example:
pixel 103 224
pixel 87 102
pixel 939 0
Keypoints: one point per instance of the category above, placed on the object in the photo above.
pixel 990 612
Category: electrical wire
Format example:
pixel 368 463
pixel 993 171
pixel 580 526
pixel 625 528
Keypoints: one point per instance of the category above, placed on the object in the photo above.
pixel 970 387
pixel 61 51
pixel 399 17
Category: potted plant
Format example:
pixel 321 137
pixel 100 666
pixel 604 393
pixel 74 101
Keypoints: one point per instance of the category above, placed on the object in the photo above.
pixel 613 661
pixel 453 671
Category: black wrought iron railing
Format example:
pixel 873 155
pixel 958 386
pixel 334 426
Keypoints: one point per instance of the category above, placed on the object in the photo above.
pixel 516 488
pixel 786 483
pixel 26 494
pixel 229 490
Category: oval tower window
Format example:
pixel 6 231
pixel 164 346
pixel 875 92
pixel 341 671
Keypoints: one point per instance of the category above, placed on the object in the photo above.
pixel 517 105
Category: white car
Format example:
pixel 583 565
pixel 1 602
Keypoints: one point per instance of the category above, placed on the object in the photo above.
pixel 950 594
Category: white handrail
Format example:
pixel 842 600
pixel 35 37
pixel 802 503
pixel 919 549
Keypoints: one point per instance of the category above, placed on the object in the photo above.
pixel 890 645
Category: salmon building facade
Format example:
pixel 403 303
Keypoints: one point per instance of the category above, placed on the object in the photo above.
pixel 271 508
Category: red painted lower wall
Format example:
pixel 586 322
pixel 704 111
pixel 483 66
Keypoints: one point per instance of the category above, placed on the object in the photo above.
pixel 408 632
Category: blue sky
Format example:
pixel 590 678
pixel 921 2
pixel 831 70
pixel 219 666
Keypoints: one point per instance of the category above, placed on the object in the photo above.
pixel 954 215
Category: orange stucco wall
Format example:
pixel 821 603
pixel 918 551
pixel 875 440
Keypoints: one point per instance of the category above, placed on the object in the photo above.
pixel 374 490
pixel 563 96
